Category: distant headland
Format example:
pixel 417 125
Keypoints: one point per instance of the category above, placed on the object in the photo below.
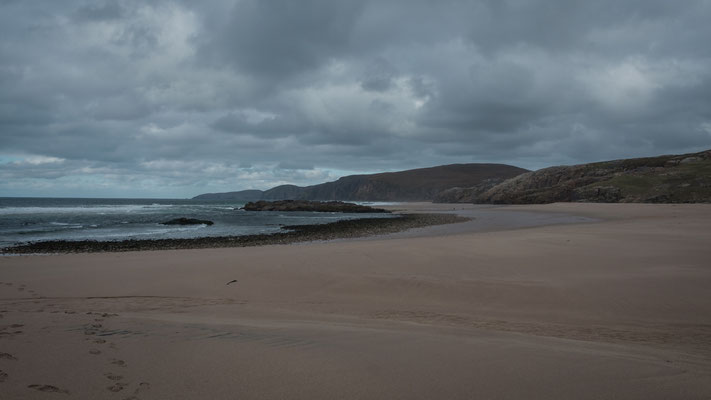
pixel 684 178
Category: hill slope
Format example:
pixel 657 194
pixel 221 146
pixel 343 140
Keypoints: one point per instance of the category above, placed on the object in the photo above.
pixel 682 178
pixel 242 195
pixel 421 184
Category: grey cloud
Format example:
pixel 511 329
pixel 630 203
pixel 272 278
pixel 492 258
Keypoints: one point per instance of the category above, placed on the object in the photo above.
pixel 229 95
pixel 110 10
pixel 378 75
pixel 277 38
pixel 295 165
pixel 274 126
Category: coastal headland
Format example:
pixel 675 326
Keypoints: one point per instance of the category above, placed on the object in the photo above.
pixel 555 301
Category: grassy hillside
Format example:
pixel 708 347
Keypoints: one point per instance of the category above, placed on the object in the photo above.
pixel 421 184
pixel 682 178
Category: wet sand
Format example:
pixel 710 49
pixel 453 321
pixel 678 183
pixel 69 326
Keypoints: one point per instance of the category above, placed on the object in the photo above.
pixel 613 303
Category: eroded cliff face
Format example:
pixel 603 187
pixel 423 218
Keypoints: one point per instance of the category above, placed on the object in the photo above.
pixel 665 179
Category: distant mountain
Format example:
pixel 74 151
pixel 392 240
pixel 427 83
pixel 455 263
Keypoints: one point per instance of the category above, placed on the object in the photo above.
pixel 242 195
pixel 422 184
pixel 682 178
pixel 284 192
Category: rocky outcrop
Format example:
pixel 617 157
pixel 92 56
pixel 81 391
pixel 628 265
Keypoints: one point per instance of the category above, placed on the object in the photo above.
pixel 187 221
pixel 665 179
pixel 360 227
pixel 466 195
pixel 304 205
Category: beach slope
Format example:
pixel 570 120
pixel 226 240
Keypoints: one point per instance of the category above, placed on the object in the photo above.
pixel 615 305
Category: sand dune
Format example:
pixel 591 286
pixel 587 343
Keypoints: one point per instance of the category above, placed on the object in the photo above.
pixel 581 301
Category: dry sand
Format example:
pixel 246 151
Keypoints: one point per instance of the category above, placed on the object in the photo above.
pixel 613 305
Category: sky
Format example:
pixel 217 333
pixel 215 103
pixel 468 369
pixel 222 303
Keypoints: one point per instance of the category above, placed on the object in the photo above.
pixel 176 98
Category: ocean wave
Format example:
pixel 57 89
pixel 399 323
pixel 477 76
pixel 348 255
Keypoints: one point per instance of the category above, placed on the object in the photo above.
pixel 101 209
pixel 45 230
pixel 150 232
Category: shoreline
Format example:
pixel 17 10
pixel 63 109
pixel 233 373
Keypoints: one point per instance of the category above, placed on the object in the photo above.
pixel 345 229
pixel 615 308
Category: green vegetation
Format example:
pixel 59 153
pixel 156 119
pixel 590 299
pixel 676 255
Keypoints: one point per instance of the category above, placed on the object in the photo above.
pixel 665 179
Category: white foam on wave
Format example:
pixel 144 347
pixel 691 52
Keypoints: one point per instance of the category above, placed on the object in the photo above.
pixel 149 232
pixel 100 209
pixel 377 203
pixel 67 224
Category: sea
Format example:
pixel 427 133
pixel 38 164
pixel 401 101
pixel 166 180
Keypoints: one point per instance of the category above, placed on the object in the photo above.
pixel 25 220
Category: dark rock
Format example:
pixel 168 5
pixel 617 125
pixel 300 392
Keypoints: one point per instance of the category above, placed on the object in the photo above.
pixel 597 194
pixel 316 206
pixel 292 234
pixel 187 221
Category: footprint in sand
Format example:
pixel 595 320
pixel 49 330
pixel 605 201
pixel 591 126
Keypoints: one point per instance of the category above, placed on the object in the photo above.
pixel 117 387
pixel 8 334
pixel 3 376
pixel 113 377
pixel 120 363
pixel 7 356
pixel 142 387
pixel 48 388
pixel 99 341
pixel 95 352
pixel 92 329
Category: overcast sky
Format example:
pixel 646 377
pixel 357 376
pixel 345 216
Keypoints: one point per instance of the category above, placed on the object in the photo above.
pixel 177 98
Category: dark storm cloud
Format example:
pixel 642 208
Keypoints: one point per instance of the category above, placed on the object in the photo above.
pixel 282 37
pixel 174 98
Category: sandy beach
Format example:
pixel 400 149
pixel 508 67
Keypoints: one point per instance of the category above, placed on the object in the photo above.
pixel 558 301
